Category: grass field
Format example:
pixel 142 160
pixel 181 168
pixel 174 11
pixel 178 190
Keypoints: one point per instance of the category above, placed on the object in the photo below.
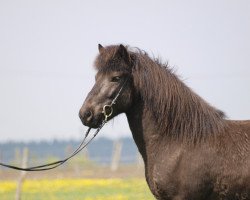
pixel 78 189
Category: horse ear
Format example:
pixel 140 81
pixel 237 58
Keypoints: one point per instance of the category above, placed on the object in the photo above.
pixel 124 53
pixel 100 47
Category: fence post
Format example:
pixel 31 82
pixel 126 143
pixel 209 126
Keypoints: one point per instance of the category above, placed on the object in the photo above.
pixel 1 158
pixel 22 174
pixel 116 155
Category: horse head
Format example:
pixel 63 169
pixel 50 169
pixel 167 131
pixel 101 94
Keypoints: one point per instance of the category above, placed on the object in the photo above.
pixel 113 80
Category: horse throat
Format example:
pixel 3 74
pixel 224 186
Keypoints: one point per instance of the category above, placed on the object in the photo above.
pixel 144 130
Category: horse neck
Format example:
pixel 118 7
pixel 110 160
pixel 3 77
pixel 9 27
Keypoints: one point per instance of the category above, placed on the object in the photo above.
pixel 143 129
pixel 170 111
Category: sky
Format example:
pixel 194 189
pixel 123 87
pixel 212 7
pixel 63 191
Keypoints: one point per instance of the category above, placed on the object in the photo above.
pixel 47 49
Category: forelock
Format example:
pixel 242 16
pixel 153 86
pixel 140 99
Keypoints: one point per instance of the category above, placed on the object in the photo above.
pixel 109 60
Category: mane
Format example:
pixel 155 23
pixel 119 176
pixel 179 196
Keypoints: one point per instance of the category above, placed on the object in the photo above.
pixel 175 107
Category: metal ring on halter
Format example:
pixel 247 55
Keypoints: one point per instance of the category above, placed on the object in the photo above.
pixel 107 111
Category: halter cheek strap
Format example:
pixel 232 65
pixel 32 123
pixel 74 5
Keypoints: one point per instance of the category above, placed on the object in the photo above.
pixel 107 109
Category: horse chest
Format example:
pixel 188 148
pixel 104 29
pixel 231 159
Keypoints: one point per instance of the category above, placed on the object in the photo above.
pixel 161 175
pixel 171 178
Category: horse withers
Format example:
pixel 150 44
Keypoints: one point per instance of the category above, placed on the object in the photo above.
pixel 190 150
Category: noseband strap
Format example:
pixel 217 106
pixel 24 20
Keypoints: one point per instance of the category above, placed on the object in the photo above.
pixel 107 111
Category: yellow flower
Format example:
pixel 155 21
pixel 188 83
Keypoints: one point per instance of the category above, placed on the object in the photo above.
pixel 7 186
pixel 78 189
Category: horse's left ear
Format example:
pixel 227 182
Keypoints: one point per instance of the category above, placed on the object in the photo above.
pixel 100 48
pixel 124 53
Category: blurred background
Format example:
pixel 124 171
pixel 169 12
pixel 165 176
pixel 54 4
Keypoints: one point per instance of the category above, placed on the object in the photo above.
pixel 47 49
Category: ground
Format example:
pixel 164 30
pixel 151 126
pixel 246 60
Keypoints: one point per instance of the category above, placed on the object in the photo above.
pixel 98 183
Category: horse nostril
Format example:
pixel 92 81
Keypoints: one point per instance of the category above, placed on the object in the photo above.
pixel 88 116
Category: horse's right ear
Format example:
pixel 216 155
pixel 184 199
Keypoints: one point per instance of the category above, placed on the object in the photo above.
pixel 100 48
pixel 123 52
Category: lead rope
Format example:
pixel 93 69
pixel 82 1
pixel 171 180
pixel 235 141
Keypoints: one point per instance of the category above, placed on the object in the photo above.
pixel 107 111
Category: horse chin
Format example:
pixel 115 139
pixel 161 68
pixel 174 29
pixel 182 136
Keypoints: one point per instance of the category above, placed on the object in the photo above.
pixel 95 123
pixel 94 126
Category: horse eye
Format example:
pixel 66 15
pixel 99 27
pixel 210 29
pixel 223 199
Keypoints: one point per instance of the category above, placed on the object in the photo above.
pixel 116 79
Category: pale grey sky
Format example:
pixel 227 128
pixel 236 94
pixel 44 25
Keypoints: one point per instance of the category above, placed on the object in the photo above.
pixel 47 48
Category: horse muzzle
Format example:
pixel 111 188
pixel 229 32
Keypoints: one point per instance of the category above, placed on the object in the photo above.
pixel 90 119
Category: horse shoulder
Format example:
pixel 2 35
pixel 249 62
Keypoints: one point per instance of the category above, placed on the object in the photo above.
pixel 178 171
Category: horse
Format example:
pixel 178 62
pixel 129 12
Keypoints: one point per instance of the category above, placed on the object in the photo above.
pixel 191 151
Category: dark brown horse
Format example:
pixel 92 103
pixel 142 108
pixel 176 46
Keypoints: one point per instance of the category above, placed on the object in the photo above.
pixel 189 149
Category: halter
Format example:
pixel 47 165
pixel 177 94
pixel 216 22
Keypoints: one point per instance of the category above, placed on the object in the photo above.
pixel 107 111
